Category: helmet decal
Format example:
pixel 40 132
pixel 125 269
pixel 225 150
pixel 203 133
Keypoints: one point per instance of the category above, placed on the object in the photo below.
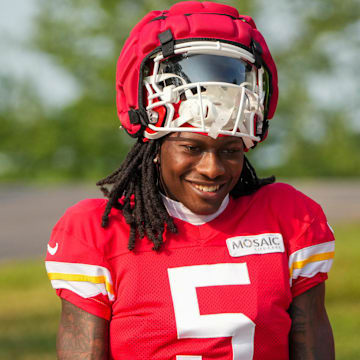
pixel 199 66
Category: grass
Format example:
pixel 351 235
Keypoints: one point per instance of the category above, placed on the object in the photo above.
pixel 29 309
pixel 343 292
pixel 29 312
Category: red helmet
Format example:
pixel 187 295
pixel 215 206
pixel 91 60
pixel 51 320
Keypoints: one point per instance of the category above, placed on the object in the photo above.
pixel 199 66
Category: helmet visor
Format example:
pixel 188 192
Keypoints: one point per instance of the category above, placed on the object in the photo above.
pixel 209 68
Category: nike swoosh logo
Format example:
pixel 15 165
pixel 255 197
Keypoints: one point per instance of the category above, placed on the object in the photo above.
pixel 53 250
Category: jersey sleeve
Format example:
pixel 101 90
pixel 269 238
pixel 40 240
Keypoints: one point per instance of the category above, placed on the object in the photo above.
pixel 312 245
pixel 75 262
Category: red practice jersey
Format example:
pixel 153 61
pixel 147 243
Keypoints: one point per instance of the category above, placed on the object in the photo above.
pixel 220 290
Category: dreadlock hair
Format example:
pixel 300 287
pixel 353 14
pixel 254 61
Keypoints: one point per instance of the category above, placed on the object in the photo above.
pixel 135 191
pixel 249 182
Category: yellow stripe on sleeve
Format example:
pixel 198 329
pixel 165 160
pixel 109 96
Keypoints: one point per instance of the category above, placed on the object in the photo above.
pixel 314 258
pixel 83 278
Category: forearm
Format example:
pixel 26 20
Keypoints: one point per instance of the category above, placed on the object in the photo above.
pixel 81 335
pixel 311 335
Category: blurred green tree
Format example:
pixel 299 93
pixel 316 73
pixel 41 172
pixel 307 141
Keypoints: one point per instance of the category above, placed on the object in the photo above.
pixel 314 133
pixel 316 130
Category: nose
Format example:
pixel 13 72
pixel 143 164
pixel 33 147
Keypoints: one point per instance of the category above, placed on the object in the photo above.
pixel 210 165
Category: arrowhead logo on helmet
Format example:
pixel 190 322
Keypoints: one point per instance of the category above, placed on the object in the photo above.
pixel 209 71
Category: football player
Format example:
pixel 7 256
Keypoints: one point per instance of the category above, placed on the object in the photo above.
pixel 192 256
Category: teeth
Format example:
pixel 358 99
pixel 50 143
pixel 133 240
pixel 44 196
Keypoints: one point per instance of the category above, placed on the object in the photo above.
pixel 213 188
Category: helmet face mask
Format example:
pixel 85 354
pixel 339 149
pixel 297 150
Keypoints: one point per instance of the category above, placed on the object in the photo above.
pixel 210 87
pixel 198 66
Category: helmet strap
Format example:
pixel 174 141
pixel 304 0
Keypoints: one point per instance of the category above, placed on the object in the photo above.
pixel 257 52
pixel 167 43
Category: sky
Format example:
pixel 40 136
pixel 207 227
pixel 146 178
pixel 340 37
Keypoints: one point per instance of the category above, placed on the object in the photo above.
pixel 16 28
pixel 57 87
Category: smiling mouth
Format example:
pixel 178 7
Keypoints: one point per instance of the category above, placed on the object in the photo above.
pixel 207 188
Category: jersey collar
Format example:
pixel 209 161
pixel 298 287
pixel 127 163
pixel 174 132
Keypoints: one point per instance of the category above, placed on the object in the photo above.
pixel 179 211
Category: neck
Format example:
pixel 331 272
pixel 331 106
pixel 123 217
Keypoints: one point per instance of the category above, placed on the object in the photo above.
pixel 179 211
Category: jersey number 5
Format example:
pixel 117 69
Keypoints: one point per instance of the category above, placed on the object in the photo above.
pixel 189 322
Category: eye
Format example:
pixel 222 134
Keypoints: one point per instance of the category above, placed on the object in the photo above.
pixel 230 151
pixel 191 148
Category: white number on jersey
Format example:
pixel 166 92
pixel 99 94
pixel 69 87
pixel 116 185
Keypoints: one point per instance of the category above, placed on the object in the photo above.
pixel 189 322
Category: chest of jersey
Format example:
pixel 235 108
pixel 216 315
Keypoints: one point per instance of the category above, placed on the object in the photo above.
pixel 212 292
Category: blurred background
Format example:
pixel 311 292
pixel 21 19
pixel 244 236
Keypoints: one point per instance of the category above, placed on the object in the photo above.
pixel 59 134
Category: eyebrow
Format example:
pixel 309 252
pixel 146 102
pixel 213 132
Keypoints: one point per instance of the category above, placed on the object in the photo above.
pixel 182 138
pixel 179 138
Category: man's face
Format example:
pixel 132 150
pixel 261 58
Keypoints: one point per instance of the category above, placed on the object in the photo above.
pixel 200 171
